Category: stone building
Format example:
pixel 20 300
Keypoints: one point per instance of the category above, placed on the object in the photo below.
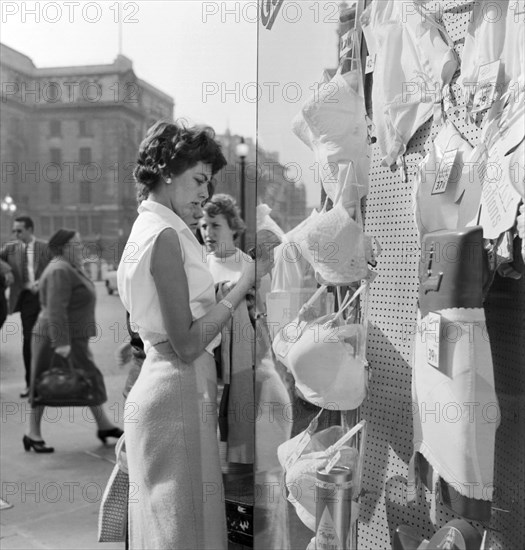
pixel 69 138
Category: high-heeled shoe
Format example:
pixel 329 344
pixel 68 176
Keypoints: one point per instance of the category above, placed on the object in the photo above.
pixel 112 432
pixel 37 446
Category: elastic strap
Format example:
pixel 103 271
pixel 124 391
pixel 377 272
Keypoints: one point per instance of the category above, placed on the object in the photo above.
pixel 314 298
pixel 347 301
pixel 348 435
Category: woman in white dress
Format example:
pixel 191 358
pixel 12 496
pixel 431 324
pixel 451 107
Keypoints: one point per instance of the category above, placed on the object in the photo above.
pixel 176 495
pixel 221 226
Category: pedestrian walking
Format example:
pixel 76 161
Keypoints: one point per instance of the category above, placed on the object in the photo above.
pixel 6 280
pixel 27 257
pixel 64 326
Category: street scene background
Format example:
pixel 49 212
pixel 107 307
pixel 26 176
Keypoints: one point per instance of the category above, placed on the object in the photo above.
pixel 54 499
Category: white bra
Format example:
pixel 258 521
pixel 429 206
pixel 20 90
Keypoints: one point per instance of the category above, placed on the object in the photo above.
pixel 414 62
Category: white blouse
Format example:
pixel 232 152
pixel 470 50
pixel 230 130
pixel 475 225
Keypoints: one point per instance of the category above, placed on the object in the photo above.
pixel 136 286
pixel 229 268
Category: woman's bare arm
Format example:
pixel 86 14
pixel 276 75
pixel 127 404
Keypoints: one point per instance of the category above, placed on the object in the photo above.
pixel 187 337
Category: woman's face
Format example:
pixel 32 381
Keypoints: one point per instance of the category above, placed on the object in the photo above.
pixel 218 237
pixel 74 250
pixel 187 193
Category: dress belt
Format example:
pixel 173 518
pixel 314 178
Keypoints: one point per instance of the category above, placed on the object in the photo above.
pixel 163 342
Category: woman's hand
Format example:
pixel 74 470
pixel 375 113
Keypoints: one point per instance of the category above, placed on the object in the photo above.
pixel 63 351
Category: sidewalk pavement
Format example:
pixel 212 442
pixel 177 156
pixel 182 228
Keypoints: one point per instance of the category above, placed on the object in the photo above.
pixel 55 497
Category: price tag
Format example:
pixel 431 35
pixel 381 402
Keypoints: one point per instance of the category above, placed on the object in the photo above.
pixel 370 63
pixel 486 87
pixel 304 439
pixel 447 163
pixel 433 330
pixel 346 44
pixel 499 200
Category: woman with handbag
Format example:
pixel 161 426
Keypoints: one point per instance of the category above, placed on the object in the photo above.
pixel 63 371
pixel 171 441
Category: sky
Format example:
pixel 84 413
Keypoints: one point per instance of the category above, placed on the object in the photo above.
pixel 210 56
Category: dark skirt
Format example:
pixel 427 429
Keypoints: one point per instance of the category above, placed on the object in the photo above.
pixel 81 357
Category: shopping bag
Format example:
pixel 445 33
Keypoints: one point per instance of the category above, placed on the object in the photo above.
pixel 113 513
pixel 67 385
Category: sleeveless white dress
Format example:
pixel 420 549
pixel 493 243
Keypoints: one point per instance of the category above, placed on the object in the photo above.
pixel 176 494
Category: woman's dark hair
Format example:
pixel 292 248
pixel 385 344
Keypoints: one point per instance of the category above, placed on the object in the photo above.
pixel 173 148
pixel 59 240
pixel 227 206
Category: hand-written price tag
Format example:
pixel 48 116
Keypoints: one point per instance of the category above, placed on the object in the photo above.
pixel 440 185
pixel 499 200
pixel 486 86
pixel 370 64
pixel 433 330
pixel 345 44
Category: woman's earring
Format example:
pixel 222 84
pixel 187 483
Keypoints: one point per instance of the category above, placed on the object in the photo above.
pixel 168 181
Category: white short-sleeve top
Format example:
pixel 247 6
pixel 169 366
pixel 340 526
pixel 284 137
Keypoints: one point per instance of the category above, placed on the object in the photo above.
pixel 135 282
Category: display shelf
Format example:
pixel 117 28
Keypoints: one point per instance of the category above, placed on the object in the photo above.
pixel 392 307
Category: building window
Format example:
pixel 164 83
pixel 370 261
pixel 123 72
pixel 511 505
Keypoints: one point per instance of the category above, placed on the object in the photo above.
pixel 85 192
pixel 15 127
pixel 55 195
pixel 55 155
pixel 96 225
pixel 55 128
pixel 58 223
pixel 84 128
pixel 45 225
pixel 85 155
pixel 83 225
pixel 71 222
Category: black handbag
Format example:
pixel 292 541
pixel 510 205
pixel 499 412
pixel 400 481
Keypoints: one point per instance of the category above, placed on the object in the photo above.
pixel 64 385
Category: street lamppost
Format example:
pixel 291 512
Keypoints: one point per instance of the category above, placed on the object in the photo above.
pixel 242 152
pixel 8 206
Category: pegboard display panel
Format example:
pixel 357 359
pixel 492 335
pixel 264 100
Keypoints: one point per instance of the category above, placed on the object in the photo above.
pixel 392 309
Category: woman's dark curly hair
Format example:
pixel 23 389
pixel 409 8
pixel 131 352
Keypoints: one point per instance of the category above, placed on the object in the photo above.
pixel 227 206
pixel 172 148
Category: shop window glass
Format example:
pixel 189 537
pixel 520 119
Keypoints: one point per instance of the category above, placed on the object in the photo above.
pixel 71 222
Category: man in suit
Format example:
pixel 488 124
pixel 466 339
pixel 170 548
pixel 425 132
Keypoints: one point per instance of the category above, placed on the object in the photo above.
pixel 6 276
pixel 27 257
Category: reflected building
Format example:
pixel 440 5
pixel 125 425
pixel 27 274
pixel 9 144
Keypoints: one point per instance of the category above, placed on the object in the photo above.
pixel 267 181
pixel 69 138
